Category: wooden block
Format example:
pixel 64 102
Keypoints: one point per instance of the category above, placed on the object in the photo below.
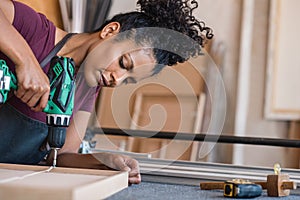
pixel 59 183
pixel 275 185
pixel 289 185
pixel 212 186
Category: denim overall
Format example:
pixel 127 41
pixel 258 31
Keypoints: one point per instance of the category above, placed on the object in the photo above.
pixel 22 139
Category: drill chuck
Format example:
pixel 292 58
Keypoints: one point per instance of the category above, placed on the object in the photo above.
pixel 57 128
pixel 56 136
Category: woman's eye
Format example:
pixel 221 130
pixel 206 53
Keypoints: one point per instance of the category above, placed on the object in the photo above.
pixel 125 63
pixel 121 62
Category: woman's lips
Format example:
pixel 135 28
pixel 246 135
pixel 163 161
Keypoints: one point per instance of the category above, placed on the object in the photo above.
pixel 103 81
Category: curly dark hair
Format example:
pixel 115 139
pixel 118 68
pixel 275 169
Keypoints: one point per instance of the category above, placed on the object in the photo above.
pixel 175 15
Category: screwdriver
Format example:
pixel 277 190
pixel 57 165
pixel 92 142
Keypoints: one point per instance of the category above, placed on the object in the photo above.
pixel 55 156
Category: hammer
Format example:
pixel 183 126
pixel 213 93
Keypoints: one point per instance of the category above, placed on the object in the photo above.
pixel 277 184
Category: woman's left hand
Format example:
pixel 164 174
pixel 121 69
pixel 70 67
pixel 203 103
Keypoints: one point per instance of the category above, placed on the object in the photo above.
pixel 100 161
pixel 122 163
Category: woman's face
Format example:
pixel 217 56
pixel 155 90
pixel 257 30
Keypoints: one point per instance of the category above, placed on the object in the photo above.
pixel 113 63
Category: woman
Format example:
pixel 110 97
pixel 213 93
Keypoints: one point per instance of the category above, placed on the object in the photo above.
pixel 27 38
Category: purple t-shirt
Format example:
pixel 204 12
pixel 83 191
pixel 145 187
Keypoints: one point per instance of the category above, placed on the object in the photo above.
pixel 39 33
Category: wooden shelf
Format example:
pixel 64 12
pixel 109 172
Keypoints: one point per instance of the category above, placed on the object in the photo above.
pixel 19 182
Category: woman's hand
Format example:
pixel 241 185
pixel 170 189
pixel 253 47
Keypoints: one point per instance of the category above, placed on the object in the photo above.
pixel 33 85
pixel 122 163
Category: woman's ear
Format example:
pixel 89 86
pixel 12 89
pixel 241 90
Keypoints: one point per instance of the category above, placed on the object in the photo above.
pixel 110 29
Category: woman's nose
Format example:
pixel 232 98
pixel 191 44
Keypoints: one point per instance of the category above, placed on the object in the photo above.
pixel 115 78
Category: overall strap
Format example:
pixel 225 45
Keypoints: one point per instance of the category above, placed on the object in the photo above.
pixel 56 49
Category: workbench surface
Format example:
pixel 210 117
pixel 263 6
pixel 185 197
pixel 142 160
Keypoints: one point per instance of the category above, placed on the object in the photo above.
pixel 150 191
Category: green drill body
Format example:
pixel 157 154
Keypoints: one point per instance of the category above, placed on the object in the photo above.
pixel 7 81
pixel 61 76
pixel 60 105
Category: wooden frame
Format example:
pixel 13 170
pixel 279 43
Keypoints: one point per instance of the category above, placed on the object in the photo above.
pixel 59 183
pixel 172 84
pixel 282 96
pixel 164 149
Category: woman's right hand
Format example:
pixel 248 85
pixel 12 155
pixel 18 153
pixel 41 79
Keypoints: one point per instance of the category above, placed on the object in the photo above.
pixel 33 85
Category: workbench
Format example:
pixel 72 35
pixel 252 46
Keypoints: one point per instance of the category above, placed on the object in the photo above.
pixel 164 179
pixel 168 179
pixel 150 191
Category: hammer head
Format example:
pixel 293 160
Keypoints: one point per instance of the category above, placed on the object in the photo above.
pixel 279 185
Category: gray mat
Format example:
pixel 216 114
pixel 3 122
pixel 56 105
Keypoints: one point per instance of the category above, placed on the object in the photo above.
pixel 147 190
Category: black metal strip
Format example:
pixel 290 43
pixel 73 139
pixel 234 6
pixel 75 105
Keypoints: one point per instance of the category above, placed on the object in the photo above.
pixel 56 49
pixel 199 137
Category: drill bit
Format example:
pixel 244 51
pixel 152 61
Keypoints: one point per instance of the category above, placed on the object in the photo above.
pixel 55 157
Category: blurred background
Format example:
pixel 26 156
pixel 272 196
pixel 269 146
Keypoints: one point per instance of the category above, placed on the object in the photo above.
pixel 254 51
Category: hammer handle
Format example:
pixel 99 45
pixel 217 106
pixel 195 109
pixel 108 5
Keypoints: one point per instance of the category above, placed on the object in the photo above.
pixel 220 185
pixel 212 186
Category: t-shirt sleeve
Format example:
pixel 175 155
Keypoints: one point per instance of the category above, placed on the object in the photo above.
pixel 85 96
pixel 35 28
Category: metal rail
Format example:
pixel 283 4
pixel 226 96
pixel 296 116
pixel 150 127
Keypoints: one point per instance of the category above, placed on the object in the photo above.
pixel 192 173
pixel 199 137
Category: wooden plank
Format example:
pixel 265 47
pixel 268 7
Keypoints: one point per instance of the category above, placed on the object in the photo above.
pixel 59 183
pixel 198 125
pixel 292 160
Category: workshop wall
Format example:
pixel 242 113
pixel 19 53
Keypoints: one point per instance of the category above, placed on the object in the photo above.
pixel 250 120
pixel 118 6
pixel 241 29
pixel 224 17
pixel 242 26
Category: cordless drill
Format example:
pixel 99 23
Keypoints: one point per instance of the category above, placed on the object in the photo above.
pixel 60 105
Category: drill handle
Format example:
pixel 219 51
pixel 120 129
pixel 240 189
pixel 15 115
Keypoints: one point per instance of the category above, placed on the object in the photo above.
pixel 13 81
pixel 62 87
pixel 7 77
pixel 7 81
